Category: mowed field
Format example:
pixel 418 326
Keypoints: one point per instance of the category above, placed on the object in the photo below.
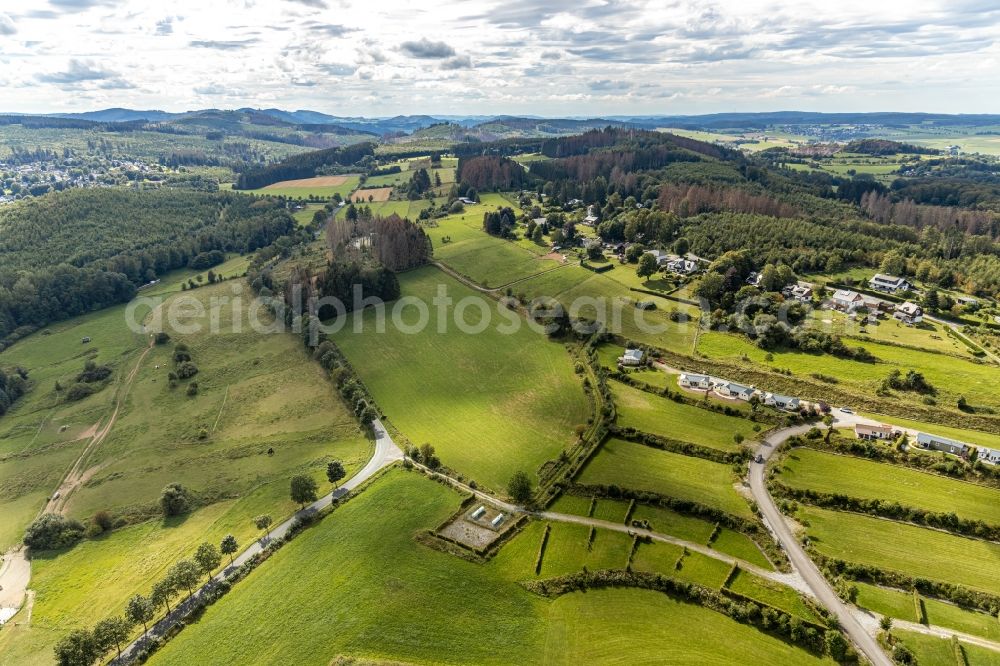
pixel 640 467
pixel 936 650
pixel 323 187
pixel 901 547
pixel 371 194
pixel 490 403
pixel 676 420
pixel 354 584
pixel 856 477
pixel 899 604
pixel 256 392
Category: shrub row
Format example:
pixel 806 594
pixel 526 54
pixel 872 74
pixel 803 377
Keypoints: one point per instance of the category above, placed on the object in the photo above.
pixel 684 448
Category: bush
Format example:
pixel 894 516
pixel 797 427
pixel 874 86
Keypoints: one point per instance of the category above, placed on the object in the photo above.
pixel 162 338
pixel 186 370
pixel 51 531
pixel 175 500
pixel 192 389
pixel 79 391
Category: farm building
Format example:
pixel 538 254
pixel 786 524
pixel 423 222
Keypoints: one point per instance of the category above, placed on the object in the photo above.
pixel 695 381
pixel 938 443
pixel 888 283
pixel 632 357
pixel 879 431
pixel 781 401
pixel 988 456
pixel 846 300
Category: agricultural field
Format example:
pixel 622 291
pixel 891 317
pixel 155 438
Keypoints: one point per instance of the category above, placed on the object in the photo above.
pixel 773 594
pixel 676 420
pixel 900 547
pixel 636 466
pixel 926 335
pixel 969 436
pixel 935 650
pixel 899 604
pixel 519 402
pixel 951 376
pixel 370 195
pixel 319 187
pixel 856 477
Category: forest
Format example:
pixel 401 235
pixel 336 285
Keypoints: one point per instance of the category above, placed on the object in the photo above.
pixel 305 165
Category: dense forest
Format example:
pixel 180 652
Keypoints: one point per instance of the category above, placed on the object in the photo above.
pixel 392 241
pixel 490 173
pixel 305 165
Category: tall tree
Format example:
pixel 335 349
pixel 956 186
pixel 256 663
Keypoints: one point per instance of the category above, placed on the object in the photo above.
pixel 303 489
pixel 207 558
pixel 112 631
pixel 335 471
pixel 263 523
pixel 229 546
pixel 139 611
pixel 186 574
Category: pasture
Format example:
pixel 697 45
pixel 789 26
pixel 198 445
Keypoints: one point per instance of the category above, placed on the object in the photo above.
pixel 935 650
pixel 490 403
pixel 856 477
pixel 961 434
pixel 640 467
pixel 901 547
pixel 677 420
pixel 773 594
pixel 926 335
pixel 318 187
pixel 370 195
pixel 899 604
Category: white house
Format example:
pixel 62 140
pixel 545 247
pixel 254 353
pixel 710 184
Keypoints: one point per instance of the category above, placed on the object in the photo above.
pixel 631 357
pixel 909 313
pixel 938 443
pixel 846 300
pixel 781 401
pixel 661 257
pixel 734 390
pixel 683 266
pixel 889 283
pixel 988 456
pixel 801 293
pixel 878 431
pixel 695 381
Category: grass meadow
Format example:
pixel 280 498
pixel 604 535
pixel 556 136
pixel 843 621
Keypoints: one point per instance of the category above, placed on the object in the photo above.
pixel 899 604
pixel 856 477
pixel 490 404
pixel 935 650
pixel 630 465
pixel 322 187
pixel 773 594
pixel 900 547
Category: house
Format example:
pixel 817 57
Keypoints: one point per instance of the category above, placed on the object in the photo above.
pixel 967 300
pixel 661 257
pixel 695 381
pixel 888 283
pixel 846 300
pixel 781 401
pixel 801 293
pixel 467 201
pixel 988 456
pixel 574 202
pixel 909 313
pixel 631 357
pixel 878 431
pixel 938 443
pixel 683 266
pixel 734 390
pixel 754 278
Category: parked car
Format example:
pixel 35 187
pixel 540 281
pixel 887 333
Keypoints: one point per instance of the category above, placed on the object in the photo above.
pixel 847 410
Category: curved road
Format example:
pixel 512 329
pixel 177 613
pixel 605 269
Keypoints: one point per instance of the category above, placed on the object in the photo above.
pixel 800 560
pixel 386 453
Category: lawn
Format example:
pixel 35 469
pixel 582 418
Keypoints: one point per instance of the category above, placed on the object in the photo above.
pixel 899 604
pixel 926 335
pixel 490 403
pixel 903 548
pixel 951 376
pixel 645 627
pixel 773 594
pixel 676 420
pixel 856 477
pixel 640 467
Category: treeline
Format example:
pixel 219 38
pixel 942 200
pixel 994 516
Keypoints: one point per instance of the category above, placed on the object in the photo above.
pixel 611 162
pixel 490 173
pixel 879 206
pixel 886 147
pixel 303 290
pixel 303 166
pixel 394 242
pixel 689 200
pixel 13 384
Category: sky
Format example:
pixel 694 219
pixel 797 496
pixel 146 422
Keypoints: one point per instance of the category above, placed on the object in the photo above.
pixel 538 57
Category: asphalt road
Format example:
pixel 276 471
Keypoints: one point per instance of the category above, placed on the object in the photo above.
pixel 805 567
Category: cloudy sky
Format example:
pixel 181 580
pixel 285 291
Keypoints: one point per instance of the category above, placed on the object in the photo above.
pixel 544 57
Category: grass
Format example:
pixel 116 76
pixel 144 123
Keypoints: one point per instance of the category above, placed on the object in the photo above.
pixel 899 604
pixel 969 436
pixel 830 473
pixel 568 552
pixel 951 376
pixel 677 420
pixel 935 650
pixel 640 467
pixel 491 404
pixel 303 189
pixel 773 594
pixel 903 548
pixel 740 545
pixel 645 627
pixel 926 335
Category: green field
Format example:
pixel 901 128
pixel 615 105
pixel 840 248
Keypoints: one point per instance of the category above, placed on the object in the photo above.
pixel 489 403
pixel 899 604
pixel 676 420
pixel 969 436
pixel 302 189
pixel 856 477
pixel 375 580
pixel 934 650
pixel 773 594
pixel 903 548
pixel 926 335
pixel 640 467
pixel 951 376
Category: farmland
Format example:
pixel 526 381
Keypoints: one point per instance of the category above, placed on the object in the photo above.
pixel 520 399
pixel 898 547
pixel 899 604
pixel 676 420
pixel 830 473
pixel 640 467
pixel 320 187
pixel 936 650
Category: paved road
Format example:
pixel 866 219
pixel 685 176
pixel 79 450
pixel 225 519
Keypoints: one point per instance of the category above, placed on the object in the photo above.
pixel 801 562
pixel 386 453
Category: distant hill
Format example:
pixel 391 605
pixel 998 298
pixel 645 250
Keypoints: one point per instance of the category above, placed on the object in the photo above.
pixel 118 115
